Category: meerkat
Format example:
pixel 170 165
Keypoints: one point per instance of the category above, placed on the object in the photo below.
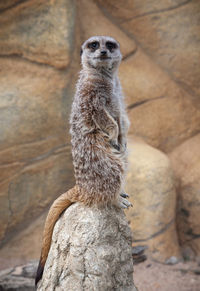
pixel 98 128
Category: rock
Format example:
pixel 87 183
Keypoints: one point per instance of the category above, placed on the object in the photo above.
pixel 155 103
pixel 172 261
pixel 37 83
pixel 186 164
pixel 151 187
pixel 127 10
pixel 91 250
pixel 40 31
pixel 170 35
pixel 20 278
pixel 25 245
pixel 35 159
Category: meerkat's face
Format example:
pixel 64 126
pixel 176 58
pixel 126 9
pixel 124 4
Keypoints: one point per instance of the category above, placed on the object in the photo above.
pixel 101 52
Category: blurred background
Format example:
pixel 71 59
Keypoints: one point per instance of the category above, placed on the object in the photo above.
pixel 160 74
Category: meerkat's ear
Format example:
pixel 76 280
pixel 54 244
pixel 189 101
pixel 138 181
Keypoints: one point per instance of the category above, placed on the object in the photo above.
pixel 81 52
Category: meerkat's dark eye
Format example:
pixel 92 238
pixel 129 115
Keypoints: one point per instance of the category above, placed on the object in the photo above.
pixel 111 45
pixel 93 45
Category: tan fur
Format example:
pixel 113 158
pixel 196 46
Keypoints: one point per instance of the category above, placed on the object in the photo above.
pixel 58 206
pixel 99 126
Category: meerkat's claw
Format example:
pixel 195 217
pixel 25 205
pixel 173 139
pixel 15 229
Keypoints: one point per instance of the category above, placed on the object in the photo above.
pixel 124 203
pixel 124 195
pixel 115 145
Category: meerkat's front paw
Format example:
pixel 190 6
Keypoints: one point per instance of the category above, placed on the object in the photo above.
pixel 124 203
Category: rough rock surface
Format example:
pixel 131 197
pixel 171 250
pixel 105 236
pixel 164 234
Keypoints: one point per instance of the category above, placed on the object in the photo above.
pixel 91 250
pixel 151 187
pixel 186 164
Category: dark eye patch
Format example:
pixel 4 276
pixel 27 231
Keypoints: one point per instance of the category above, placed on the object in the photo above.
pixel 111 45
pixel 93 45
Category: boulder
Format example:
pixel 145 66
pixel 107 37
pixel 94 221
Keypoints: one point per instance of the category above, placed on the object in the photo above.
pixel 90 250
pixel 151 186
pixel 185 160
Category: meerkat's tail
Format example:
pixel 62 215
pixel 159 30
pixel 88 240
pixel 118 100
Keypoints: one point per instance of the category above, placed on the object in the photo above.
pixel 57 208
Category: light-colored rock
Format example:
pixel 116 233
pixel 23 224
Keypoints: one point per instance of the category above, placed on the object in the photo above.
pixel 186 164
pixel 151 187
pixel 91 250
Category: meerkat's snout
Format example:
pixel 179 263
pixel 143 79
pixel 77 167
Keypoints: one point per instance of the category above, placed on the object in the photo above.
pixel 103 53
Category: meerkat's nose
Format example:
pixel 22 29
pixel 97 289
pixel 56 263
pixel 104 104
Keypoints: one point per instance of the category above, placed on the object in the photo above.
pixel 103 53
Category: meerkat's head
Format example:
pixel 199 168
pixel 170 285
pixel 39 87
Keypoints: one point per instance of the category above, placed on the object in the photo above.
pixel 101 52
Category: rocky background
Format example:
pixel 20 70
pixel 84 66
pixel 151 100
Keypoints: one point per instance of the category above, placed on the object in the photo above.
pixel 160 74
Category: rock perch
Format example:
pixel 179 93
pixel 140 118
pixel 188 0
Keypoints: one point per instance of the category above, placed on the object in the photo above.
pixel 90 250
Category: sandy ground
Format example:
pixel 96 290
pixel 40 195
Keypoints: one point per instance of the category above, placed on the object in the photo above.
pixel 148 276
pixel 152 276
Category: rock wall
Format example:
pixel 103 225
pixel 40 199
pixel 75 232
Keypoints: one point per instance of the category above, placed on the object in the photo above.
pixel 36 44
pixel 39 64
